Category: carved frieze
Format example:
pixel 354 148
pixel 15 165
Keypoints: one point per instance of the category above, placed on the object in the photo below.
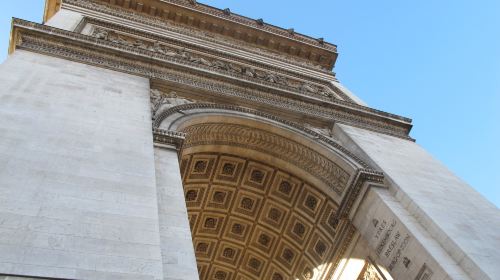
pixel 184 55
pixel 138 61
pixel 89 26
pixel 183 29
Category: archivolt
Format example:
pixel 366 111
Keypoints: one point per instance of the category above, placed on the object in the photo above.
pixel 216 135
pixel 163 120
pixel 226 125
pixel 257 139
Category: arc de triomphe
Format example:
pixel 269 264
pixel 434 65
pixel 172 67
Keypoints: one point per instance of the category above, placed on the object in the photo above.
pixel 167 139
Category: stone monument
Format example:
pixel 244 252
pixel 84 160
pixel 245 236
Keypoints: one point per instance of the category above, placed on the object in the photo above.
pixel 168 139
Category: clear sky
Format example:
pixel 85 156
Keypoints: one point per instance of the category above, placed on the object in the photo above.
pixel 435 61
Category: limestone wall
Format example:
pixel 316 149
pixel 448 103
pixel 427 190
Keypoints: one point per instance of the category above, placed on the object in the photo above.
pixel 452 223
pixel 179 261
pixel 77 181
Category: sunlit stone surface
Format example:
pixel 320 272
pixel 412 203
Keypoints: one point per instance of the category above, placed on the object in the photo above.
pixel 173 140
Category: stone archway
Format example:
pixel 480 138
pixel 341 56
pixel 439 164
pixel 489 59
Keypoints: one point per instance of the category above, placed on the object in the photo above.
pixel 266 198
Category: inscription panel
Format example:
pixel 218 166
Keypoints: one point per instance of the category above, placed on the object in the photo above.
pixel 384 225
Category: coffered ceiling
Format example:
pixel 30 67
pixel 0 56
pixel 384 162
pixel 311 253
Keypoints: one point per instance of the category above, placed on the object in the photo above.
pixel 252 220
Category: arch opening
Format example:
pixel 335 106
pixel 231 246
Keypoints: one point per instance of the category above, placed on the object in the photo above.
pixel 263 196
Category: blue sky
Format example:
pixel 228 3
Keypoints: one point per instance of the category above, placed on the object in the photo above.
pixel 437 62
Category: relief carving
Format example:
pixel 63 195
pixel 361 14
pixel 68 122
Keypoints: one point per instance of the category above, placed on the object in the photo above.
pixel 152 37
pixel 84 50
pixel 161 101
pixel 123 13
pixel 369 273
pixel 183 54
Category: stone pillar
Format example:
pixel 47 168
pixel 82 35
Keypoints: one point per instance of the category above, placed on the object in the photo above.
pixel 77 182
pixel 428 215
pixel 179 261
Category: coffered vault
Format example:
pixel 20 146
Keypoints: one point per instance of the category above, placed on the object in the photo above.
pixel 251 213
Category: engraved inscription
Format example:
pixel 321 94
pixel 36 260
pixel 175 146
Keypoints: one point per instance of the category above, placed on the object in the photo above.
pixel 391 243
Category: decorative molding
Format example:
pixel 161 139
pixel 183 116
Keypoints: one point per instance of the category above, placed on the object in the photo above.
pixel 362 176
pixel 259 23
pixel 193 32
pixel 165 137
pixel 89 50
pixel 205 49
pixel 319 166
pixel 210 53
pixel 231 68
pixel 317 136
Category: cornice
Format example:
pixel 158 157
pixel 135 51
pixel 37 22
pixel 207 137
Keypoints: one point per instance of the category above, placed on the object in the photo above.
pixel 94 11
pixel 212 60
pixel 176 43
pixel 215 22
pixel 138 61
pixel 255 23
pixel 165 137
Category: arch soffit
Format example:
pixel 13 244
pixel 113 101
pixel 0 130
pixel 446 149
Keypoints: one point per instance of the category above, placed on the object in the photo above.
pixel 333 167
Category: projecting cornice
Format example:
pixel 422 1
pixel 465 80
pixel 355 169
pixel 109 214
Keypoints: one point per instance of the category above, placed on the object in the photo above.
pixel 224 23
pixel 192 76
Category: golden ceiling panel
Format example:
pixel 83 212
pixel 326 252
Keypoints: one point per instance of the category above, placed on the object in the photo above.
pixel 318 165
pixel 251 220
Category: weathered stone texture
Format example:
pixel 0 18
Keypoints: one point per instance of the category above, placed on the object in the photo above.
pixel 65 19
pixel 77 181
pixel 459 219
pixel 286 181
pixel 179 261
